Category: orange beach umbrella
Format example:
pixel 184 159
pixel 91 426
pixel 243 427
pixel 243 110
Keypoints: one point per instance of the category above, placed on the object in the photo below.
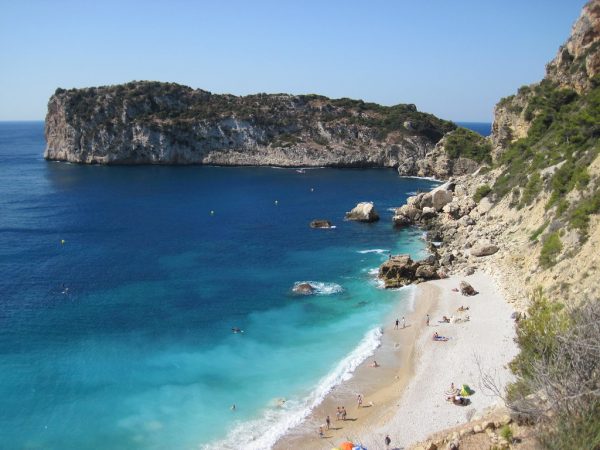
pixel 346 445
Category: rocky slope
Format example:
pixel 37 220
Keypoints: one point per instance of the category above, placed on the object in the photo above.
pixel 537 205
pixel 165 123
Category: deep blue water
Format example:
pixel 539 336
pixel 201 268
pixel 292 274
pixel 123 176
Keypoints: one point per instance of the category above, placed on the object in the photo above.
pixel 121 337
pixel 483 128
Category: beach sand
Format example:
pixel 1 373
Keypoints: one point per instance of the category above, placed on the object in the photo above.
pixel 408 390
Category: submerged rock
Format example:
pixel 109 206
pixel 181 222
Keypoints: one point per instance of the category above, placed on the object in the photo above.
pixel 304 289
pixel 363 212
pixel 321 223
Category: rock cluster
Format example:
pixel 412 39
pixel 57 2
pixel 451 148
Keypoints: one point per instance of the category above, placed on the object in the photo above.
pixel 401 270
pixel 421 208
pixel 363 212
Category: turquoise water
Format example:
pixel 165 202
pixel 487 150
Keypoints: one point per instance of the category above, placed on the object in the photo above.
pixel 121 337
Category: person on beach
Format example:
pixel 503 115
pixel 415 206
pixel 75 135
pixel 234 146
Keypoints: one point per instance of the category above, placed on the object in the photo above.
pixel 403 322
pixel 387 441
pixel 427 319
pixel 374 364
pixel 344 413
pixel 338 413
pixel 327 422
pixel 397 323
pixel 359 400
pixel 321 434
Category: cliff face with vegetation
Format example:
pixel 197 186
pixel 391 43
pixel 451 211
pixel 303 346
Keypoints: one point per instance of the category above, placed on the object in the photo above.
pixel 165 123
pixel 538 206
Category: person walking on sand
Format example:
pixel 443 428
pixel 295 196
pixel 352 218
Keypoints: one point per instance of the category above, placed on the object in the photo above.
pixel 359 400
pixel 321 434
pixel 397 323
pixel 344 413
pixel 388 441
pixel 427 319
pixel 403 322
pixel 327 421
pixel 338 413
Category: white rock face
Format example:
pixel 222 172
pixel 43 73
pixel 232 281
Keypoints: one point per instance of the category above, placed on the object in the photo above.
pixel 363 212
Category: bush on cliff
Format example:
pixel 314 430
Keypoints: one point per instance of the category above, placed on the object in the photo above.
pixel 558 373
pixel 481 192
pixel 468 144
pixel 551 248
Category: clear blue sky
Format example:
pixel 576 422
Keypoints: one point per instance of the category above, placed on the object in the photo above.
pixel 454 58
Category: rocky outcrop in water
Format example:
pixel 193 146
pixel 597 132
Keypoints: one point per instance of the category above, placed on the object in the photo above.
pixel 166 123
pixel 363 212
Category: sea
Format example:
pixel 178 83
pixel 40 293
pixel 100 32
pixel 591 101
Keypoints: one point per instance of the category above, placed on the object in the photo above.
pixel 120 289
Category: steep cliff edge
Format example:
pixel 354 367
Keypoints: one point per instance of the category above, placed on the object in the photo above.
pixel 166 123
pixel 538 208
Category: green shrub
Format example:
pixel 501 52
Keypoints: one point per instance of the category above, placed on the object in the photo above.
pixel 536 337
pixel 481 192
pixel 506 433
pixel 468 144
pixel 551 248
pixel 580 216
pixel 539 231
pixel 532 189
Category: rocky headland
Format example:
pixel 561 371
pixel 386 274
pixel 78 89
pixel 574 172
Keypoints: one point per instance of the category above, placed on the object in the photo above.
pixel 165 123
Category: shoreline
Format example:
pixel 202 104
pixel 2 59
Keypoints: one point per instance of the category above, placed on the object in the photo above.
pixel 408 390
pixel 379 386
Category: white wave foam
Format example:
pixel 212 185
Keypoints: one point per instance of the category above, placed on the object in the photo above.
pixel 374 271
pixel 263 433
pixel 321 288
pixel 379 251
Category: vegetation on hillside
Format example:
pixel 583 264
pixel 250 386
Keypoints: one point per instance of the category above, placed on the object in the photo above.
pixel 558 373
pixel 468 144
pixel 562 141
pixel 171 105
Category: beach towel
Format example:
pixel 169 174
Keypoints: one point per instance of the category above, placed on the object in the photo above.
pixel 466 390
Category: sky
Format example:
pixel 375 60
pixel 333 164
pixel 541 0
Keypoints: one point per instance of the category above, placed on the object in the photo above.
pixel 452 58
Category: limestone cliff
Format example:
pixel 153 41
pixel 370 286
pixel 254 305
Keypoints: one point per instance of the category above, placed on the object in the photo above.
pixel 165 123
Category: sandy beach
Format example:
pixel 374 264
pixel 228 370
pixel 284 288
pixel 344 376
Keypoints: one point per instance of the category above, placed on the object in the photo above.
pixel 405 396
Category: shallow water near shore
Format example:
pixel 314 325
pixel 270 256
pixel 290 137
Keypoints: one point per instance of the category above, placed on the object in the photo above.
pixel 121 337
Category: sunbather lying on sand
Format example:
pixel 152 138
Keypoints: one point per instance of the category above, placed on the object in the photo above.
pixel 462 308
pixel 437 337
pixel 444 320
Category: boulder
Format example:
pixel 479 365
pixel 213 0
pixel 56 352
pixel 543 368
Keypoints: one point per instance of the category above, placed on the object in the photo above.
pixel 426 201
pixel 426 271
pixel 467 289
pixel 452 209
pixel 428 213
pixel 363 212
pixel 397 271
pixel 469 271
pixel 483 249
pixel 484 205
pixel 304 289
pixel 409 211
pixel 415 200
pixel 320 223
pixel 447 259
pixel 400 220
pixel 440 198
